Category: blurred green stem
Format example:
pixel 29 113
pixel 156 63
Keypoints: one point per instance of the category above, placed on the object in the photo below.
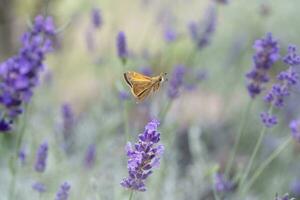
pixel 131 195
pixel 256 148
pixel 239 135
pixel 126 122
pixel 46 7
pixel 164 113
pixel 265 164
pixel 14 158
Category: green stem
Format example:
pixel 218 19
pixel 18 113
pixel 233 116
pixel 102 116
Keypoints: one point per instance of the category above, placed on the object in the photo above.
pixel 164 113
pixel 265 164
pixel 240 133
pixel 14 157
pixel 126 122
pixel 131 195
pixel 46 7
pixel 255 151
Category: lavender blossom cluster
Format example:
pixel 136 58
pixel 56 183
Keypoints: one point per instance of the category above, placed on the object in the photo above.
pixel 143 156
pixel 19 74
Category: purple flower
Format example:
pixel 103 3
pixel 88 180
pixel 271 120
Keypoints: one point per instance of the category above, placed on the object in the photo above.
pixel 63 192
pixel 201 34
pixel 90 40
pixel 295 129
pixel 266 54
pixel 122 46
pixel 96 17
pixel 124 95
pixel 68 125
pixel 285 197
pixel 176 81
pixel 221 184
pixel 19 75
pixel 142 157
pixel 295 187
pixel 41 157
pixel 170 34
pixel 22 156
pixel 39 187
pixel 90 156
pixel 286 79
pixel 268 120
pixel 292 58
pixel 146 71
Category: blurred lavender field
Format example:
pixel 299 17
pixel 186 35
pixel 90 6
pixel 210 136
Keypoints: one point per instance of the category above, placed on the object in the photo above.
pixel 226 124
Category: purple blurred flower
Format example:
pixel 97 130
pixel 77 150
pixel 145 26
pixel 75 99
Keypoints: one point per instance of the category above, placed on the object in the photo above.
pixel 176 81
pixel 68 120
pixel 267 53
pixel 221 184
pixel 295 129
pixel 19 75
pixel 295 187
pixel 22 156
pixel 285 197
pixel 63 192
pixel 90 41
pixel 146 71
pixel 201 33
pixel 41 157
pixel 124 95
pixel 39 187
pixel 122 46
pixel 170 34
pixel 142 157
pixel 268 120
pixel 96 17
pixel 90 156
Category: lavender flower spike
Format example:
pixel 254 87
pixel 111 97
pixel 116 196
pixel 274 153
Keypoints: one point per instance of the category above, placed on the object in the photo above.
pixel 19 75
pixel 96 17
pixel 221 184
pixel 176 81
pixel 41 157
pixel 63 192
pixel 268 120
pixel 200 36
pixel 285 197
pixel 142 157
pixel 286 79
pixel 90 156
pixel 266 54
pixel 295 129
pixel 39 187
pixel 122 46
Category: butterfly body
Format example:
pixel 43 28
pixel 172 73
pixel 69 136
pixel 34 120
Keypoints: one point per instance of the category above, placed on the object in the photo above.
pixel 141 85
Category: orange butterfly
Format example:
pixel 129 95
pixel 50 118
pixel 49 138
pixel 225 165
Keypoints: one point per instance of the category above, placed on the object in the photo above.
pixel 141 85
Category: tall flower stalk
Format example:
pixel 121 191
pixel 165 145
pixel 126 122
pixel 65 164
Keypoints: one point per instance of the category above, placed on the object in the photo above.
pixel 275 97
pixel 19 75
pixel 143 156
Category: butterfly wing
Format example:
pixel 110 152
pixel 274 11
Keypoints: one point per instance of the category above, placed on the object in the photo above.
pixel 140 88
pixel 140 85
pixel 131 77
pixel 141 96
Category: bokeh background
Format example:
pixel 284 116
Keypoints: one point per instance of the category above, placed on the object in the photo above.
pixel 198 127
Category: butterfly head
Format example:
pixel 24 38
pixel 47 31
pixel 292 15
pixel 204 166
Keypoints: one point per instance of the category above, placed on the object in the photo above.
pixel 163 77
